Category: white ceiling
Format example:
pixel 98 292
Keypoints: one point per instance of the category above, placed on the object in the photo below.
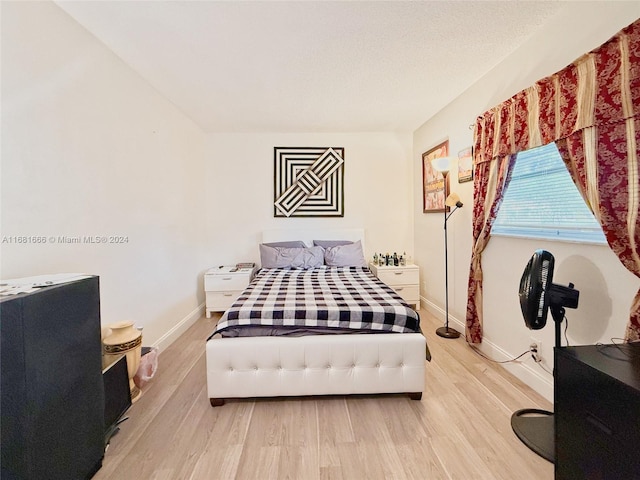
pixel 310 66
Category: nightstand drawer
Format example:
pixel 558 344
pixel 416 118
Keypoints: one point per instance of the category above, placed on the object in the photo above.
pixel 225 283
pixel 410 293
pixel 399 277
pixel 220 301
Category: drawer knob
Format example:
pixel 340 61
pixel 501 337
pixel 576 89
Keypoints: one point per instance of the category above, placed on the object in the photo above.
pixel 398 273
pixel 226 278
pixel 226 294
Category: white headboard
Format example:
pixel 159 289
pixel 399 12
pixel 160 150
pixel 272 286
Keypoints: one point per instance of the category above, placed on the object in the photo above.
pixel 308 235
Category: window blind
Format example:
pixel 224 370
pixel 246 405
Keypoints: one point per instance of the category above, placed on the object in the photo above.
pixel 542 201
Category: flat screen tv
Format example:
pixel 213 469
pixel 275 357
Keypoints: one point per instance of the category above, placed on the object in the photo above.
pixel 117 395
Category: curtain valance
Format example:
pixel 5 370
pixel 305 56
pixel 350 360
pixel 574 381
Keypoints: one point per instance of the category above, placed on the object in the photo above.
pixel 602 86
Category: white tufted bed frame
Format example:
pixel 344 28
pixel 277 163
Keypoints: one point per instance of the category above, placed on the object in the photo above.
pixel 247 367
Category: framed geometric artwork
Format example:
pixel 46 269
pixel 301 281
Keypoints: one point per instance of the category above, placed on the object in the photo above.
pixel 433 182
pixel 465 165
pixel 308 182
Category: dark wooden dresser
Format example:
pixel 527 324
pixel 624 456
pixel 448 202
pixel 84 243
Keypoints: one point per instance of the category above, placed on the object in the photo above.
pixel 597 412
pixel 52 397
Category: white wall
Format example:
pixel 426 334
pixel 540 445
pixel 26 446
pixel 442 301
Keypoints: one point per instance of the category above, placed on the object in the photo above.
pixel 239 178
pixel 606 287
pixel 89 148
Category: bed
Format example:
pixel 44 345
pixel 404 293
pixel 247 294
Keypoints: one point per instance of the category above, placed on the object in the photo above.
pixel 323 330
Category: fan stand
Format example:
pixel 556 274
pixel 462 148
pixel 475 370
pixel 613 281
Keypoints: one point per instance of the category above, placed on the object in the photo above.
pixel 534 427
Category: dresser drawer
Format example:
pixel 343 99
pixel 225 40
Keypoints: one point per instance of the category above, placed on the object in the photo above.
pixel 220 301
pixel 220 283
pixel 597 411
pixel 399 277
pixel 595 401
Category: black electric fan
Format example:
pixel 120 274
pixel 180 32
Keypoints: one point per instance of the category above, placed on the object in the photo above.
pixel 538 295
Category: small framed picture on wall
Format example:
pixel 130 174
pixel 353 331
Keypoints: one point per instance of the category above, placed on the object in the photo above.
pixel 465 165
pixel 434 186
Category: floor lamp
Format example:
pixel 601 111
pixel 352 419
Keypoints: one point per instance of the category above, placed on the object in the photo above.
pixel 442 165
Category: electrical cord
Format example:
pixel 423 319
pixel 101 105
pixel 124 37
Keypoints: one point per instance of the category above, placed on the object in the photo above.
pixel 544 368
pixel 513 359
pixel 617 344
pixel 497 361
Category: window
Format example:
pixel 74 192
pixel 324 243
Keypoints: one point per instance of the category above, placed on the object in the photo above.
pixel 542 201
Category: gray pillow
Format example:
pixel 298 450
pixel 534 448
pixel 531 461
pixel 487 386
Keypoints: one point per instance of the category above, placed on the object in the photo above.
pixel 292 244
pixel 330 243
pixel 350 255
pixel 284 257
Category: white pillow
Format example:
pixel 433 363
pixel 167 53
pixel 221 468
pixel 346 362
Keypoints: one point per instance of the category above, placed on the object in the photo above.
pixel 283 257
pixel 350 255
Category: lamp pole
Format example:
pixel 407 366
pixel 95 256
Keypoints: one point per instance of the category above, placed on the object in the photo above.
pixel 445 331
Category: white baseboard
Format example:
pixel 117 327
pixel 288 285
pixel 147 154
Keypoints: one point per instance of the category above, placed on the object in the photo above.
pixel 181 327
pixel 533 376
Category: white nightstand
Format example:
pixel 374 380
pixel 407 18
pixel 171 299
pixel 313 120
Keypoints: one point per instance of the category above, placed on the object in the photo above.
pixel 222 287
pixel 404 280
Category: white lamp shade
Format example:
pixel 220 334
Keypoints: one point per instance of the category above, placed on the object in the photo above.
pixel 442 164
pixel 453 200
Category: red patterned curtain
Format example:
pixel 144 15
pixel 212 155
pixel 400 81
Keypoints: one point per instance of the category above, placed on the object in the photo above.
pixel 591 109
pixel 491 179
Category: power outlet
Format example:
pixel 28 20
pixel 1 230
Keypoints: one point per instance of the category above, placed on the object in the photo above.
pixel 535 346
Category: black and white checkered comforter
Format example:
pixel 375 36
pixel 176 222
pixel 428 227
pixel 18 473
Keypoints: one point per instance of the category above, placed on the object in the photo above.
pixel 323 298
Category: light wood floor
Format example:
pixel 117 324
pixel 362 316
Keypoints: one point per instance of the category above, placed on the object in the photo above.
pixel 459 430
